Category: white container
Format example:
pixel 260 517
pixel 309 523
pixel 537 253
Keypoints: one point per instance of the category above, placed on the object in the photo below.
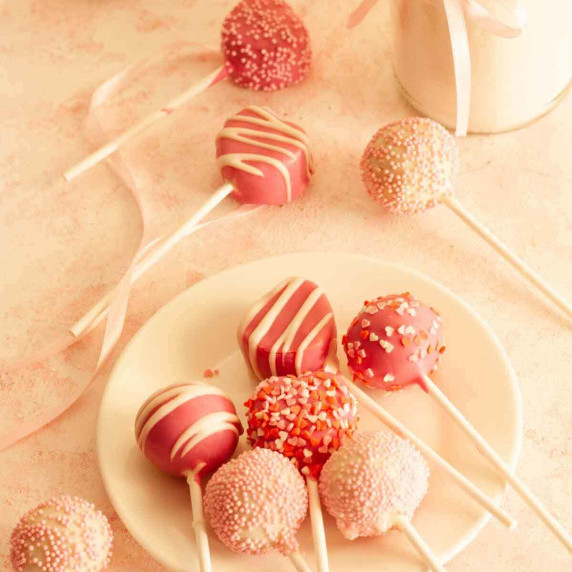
pixel 514 80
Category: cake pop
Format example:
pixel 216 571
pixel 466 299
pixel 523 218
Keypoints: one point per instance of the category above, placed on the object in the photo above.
pixel 256 503
pixel 305 418
pixel 410 166
pixel 289 331
pixel 189 430
pixel 255 149
pixel 396 341
pixel 265 46
pixel 374 483
pixel 64 534
pixel 393 342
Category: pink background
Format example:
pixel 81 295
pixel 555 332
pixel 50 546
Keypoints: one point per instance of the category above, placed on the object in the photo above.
pixel 62 246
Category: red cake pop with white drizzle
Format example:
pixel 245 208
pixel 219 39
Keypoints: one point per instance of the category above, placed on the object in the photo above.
pixel 410 165
pixel 188 428
pixel 393 342
pixel 305 418
pixel 64 534
pixel 267 160
pixel 256 503
pixel 265 45
pixel 289 331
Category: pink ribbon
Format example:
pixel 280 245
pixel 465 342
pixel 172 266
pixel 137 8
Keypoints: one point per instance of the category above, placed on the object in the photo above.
pixel 118 306
pixel 457 11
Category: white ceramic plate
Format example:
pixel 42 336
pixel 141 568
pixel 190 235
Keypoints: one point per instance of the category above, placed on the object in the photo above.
pixel 197 330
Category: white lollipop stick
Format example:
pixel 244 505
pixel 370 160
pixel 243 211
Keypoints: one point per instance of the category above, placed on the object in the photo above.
pixel 494 458
pixel 318 533
pixel 113 145
pixel 508 255
pixel 298 562
pixel 415 538
pixel 473 491
pixel 199 524
pixel 99 310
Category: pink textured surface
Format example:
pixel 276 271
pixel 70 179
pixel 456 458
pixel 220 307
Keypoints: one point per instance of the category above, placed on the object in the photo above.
pixel 63 246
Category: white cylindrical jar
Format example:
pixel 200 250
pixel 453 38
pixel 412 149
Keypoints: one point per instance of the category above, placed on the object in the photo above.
pixel 514 80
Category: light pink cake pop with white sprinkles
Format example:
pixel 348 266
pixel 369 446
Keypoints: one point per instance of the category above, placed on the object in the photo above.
pixel 372 479
pixel 64 534
pixel 257 502
pixel 410 165
pixel 265 45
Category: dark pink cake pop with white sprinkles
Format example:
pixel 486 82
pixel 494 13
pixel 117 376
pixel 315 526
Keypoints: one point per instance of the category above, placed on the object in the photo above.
pixel 64 534
pixel 371 480
pixel 265 44
pixel 257 502
pixel 393 342
pixel 410 165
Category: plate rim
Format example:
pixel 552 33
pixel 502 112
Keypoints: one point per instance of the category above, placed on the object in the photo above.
pixel 518 422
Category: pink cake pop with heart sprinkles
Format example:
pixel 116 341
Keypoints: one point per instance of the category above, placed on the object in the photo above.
pixel 256 503
pixel 410 165
pixel 305 418
pixel 370 480
pixel 393 342
pixel 289 331
pixel 188 428
pixel 266 159
pixel 64 534
pixel 265 45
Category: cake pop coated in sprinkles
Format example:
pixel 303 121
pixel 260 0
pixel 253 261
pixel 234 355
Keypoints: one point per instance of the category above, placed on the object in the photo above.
pixel 305 418
pixel 266 46
pixel 370 480
pixel 257 502
pixel 64 534
pixel 409 165
pixel 393 342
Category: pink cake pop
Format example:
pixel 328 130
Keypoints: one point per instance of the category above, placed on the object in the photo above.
pixel 305 418
pixel 289 331
pixel 374 483
pixel 393 342
pixel 266 46
pixel 64 534
pixel 256 503
pixel 189 430
pixel 266 159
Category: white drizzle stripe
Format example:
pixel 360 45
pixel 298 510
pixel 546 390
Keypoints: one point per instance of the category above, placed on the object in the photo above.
pixel 308 340
pixel 203 428
pixel 268 320
pixel 287 134
pixel 168 407
pixel 289 334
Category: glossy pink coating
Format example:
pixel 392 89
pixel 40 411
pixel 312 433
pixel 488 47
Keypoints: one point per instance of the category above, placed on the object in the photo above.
pixel 267 160
pixel 289 331
pixel 393 342
pixel 266 46
pixel 188 428
pixel 256 503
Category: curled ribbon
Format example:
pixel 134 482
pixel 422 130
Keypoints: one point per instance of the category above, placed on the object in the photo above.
pixel 457 12
pixel 114 305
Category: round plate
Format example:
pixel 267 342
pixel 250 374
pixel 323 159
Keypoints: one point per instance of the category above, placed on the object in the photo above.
pixel 197 330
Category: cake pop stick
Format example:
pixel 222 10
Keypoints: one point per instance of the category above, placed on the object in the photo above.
pixel 374 483
pixel 189 430
pixel 305 418
pixel 256 503
pixel 264 161
pixel 292 329
pixel 396 341
pixel 265 46
pixel 409 167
